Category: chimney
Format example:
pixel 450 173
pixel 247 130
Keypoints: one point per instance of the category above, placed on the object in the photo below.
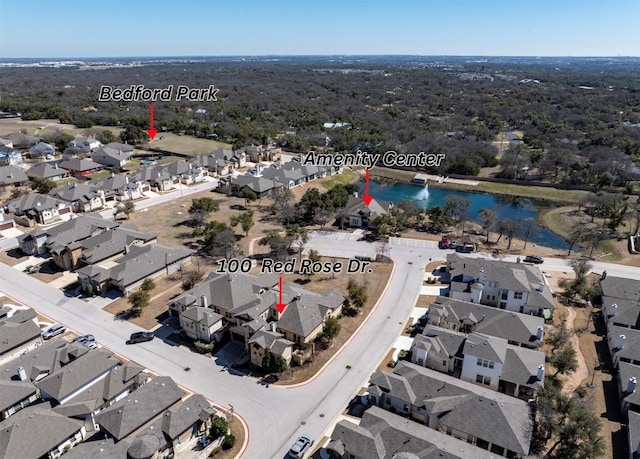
pixel 296 297
pixel 541 286
pixel 613 310
pixel 540 376
pixel 22 374
pixel 112 175
pixel 203 301
pixel 355 194
pixel 272 326
pixel 631 386
pixel 621 340
pixel 126 249
pixel 481 276
pixel 540 333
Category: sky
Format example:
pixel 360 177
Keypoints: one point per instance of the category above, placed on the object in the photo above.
pixel 119 28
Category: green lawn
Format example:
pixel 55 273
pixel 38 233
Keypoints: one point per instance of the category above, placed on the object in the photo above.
pixel 347 176
pixel 185 144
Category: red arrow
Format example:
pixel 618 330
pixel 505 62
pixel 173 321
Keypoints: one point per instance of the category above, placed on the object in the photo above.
pixel 280 305
pixel 151 131
pixel 366 198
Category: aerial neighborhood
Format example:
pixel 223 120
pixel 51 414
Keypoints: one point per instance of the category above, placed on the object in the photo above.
pixel 348 243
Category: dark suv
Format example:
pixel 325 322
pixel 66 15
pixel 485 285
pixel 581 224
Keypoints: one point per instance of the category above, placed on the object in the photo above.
pixel 141 337
pixel 535 259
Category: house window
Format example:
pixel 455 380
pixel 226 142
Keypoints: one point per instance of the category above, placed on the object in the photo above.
pixel 481 379
pixel 504 296
pixel 503 305
pixel 488 297
pixel 517 295
pixel 485 363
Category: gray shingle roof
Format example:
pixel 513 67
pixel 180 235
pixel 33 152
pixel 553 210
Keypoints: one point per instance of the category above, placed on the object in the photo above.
pixel 271 341
pixel 79 165
pixel 382 435
pixel 634 434
pixel 12 392
pixel 520 328
pixel 442 342
pixel 517 277
pixel 204 316
pixel 256 184
pixel 511 424
pixel 34 201
pixel 17 330
pixel 76 374
pixel 73 231
pixel 12 174
pixel 45 170
pixel 34 431
pixel 627 314
pixel 356 206
pixel 485 347
pixel 75 192
pixel 305 314
pixel 183 415
pixel 43 360
pixel 141 406
pixel 111 243
pixel 627 371
pixel 143 261
pixel 631 350
pixel 620 287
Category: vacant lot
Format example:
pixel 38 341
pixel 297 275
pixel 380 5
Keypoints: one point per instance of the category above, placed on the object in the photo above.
pixel 12 257
pixel 185 144
pixel 40 128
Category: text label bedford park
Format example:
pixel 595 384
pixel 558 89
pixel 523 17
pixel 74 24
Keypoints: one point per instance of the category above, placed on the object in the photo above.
pixel 138 93
pixel 369 160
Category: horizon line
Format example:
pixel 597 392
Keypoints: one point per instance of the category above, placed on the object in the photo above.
pixel 532 56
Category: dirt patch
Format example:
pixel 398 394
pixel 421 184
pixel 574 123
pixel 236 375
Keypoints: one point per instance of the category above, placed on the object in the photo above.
pixel 12 257
pixel 374 283
pixel 166 288
pixel 573 380
pixel 48 272
pixel 425 300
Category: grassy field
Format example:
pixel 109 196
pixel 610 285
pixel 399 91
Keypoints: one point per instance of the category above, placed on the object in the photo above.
pixel 185 144
pixel 40 128
pixel 347 176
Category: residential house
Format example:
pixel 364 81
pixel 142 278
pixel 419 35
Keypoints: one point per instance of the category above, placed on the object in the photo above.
pixel 381 435
pixel 261 186
pixel 20 333
pixel 140 407
pixel 288 177
pixel 12 177
pixel 356 214
pixel 624 344
pixel 121 381
pixel 166 435
pixel 481 359
pixel 113 154
pixel 64 383
pixel 518 329
pixel 16 395
pixel 158 177
pixel 620 299
pixel 620 288
pixel 82 197
pixel 201 323
pixel 129 271
pixel 6 222
pixel 48 171
pixel 64 237
pixel 213 164
pixel 38 208
pixel 265 342
pixel 303 318
pixel 37 431
pixel 41 150
pixel 120 187
pixel 109 245
pixel 518 287
pixel 457 408
pixel 80 168
pixel 85 144
pixel 309 172
pixel 628 376
pixel 6 143
pixel 9 156
pixel 21 141
pixel 248 302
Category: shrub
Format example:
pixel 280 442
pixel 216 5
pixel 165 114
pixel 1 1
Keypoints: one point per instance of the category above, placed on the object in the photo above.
pixel 228 442
pixel 219 428
pixel 202 347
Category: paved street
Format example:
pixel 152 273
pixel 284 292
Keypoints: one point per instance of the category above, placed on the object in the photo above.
pixel 275 415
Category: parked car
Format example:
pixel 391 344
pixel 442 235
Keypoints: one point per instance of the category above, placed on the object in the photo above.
pixel 535 259
pixel 141 337
pixel 87 340
pixel 54 330
pixel 31 269
pixel 301 446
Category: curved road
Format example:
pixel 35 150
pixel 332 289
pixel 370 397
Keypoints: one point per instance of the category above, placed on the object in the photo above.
pixel 275 415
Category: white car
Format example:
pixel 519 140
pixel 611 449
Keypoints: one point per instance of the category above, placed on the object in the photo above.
pixel 54 330
pixel 301 446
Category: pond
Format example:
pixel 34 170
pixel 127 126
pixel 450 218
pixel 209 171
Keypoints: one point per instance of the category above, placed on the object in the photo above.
pixel 506 206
